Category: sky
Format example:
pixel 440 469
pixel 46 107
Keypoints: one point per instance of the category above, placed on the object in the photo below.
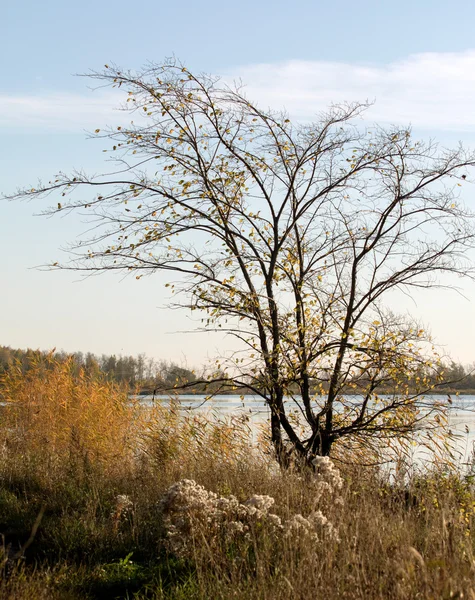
pixel 414 60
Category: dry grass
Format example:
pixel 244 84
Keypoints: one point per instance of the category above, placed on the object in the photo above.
pixel 54 418
pixel 71 445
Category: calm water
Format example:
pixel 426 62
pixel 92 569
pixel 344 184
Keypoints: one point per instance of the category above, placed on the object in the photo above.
pixel 462 414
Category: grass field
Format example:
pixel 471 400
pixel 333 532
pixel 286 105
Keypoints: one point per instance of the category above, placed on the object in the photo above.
pixel 101 499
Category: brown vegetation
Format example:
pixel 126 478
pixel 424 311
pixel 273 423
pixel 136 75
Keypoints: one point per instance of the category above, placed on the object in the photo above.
pixel 104 472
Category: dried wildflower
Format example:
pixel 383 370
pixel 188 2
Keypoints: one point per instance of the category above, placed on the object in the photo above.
pixel 236 527
pixel 316 526
pixel 327 472
pixel 297 523
pixel 317 518
pixel 188 507
pixel 123 506
pixel 124 503
pixel 189 510
pixel 262 503
pixel 275 521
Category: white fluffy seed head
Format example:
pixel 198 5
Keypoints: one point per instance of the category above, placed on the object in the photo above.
pixel 262 503
pixel 187 506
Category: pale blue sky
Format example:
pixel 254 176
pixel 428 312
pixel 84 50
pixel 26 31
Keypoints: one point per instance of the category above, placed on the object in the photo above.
pixel 53 39
pixel 416 59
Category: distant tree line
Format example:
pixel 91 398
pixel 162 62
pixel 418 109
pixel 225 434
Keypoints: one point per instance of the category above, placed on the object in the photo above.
pixel 459 378
pixel 148 375
pixel 138 371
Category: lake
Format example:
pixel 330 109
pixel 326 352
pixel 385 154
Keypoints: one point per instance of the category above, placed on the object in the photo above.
pixel 462 413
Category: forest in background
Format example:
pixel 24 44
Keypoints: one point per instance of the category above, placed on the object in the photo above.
pixel 149 375
pixel 137 371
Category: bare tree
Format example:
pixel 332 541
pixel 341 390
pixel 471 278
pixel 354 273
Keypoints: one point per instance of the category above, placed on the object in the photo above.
pixel 289 236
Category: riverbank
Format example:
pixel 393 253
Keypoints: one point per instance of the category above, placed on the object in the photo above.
pixel 105 530
pixel 199 391
pixel 104 498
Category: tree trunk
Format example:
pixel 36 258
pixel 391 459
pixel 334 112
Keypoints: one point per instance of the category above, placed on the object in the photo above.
pixel 276 436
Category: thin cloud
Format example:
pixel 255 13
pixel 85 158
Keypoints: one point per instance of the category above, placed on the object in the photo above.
pixel 59 112
pixel 431 90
